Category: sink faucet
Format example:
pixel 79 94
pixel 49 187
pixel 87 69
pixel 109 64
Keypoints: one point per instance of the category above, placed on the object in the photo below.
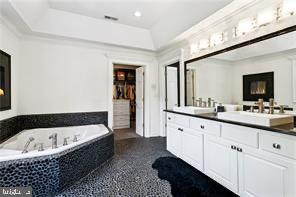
pixel 31 139
pixel 54 138
pixel 199 100
pixel 210 102
pixel 271 106
pixel 260 104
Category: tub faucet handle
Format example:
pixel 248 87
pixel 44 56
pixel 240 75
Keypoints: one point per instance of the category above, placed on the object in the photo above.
pixel 75 138
pixel 66 141
pixel 25 150
pixel 40 146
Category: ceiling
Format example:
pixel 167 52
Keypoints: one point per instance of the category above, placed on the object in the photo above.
pixel 124 10
pixel 152 11
pixel 161 21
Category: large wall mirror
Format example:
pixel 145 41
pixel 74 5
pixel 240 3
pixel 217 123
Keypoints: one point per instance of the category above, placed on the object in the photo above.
pixel 239 76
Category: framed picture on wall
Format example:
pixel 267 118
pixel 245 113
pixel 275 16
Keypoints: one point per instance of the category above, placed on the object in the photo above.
pixel 5 81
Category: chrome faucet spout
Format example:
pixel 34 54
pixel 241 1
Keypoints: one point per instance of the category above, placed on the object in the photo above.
pixel 25 150
pixel 54 138
pixel 260 104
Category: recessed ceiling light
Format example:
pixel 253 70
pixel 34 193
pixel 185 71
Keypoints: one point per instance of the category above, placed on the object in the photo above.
pixel 137 14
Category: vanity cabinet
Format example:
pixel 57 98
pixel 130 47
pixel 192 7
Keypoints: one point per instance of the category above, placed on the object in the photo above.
pixel 192 148
pixel 265 175
pixel 174 140
pixel 221 162
pixel 248 161
pixel 184 142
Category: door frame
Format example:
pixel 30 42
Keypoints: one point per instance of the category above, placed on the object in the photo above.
pixel 174 65
pixel 111 62
pixel 162 84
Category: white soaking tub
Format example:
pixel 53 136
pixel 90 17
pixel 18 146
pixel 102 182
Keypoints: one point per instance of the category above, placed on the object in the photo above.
pixel 13 147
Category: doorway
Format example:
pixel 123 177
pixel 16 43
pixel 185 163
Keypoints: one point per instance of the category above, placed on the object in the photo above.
pixel 172 86
pixel 128 101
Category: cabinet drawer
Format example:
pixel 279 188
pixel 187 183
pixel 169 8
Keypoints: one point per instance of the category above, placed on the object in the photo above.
pixel 170 118
pixel 121 112
pixel 182 120
pixel 121 108
pixel 243 135
pixel 121 118
pixel 207 126
pixel 278 144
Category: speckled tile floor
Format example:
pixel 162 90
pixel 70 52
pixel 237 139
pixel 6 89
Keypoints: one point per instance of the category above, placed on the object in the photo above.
pixel 120 134
pixel 128 173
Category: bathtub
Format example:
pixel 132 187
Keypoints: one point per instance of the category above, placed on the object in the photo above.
pixel 13 147
pixel 49 171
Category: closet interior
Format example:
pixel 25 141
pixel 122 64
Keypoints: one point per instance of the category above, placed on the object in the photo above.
pixel 124 97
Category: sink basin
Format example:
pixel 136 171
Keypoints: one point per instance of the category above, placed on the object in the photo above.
pixel 194 110
pixel 257 118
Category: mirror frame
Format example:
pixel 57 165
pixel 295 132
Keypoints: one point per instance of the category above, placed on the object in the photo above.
pixel 236 46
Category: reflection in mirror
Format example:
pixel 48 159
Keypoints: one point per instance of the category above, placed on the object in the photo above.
pixel 172 83
pixel 239 78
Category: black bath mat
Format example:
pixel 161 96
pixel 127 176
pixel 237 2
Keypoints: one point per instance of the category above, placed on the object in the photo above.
pixel 186 181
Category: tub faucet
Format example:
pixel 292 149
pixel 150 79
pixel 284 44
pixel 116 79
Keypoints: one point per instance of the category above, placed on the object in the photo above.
pixel 54 138
pixel 31 139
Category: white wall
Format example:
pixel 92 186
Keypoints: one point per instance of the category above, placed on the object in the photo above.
pixel 9 43
pixel 280 64
pixel 61 78
pixel 64 76
pixel 213 79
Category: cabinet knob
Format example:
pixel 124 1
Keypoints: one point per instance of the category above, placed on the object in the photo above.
pixel 180 129
pixel 202 126
pixel 233 147
pixel 169 118
pixel 239 149
pixel 276 146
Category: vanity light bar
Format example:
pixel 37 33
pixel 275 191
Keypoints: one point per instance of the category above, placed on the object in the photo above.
pixel 247 25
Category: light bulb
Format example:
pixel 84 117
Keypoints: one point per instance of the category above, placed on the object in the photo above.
pixel 289 8
pixel 245 26
pixel 265 17
pixel 216 39
pixel 193 48
pixel 204 44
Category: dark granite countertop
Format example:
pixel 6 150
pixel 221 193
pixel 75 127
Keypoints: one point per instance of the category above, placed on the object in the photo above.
pixel 288 129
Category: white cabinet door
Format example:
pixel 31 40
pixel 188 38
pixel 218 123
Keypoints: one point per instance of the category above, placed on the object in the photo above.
pixel 266 175
pixel 192 148
pixel 221 162
pixel 174 140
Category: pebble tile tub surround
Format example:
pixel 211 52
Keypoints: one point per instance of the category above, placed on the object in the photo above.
pixel 49 175
pixel 14 125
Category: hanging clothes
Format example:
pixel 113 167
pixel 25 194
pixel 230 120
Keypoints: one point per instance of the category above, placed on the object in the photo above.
pixel 114 92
